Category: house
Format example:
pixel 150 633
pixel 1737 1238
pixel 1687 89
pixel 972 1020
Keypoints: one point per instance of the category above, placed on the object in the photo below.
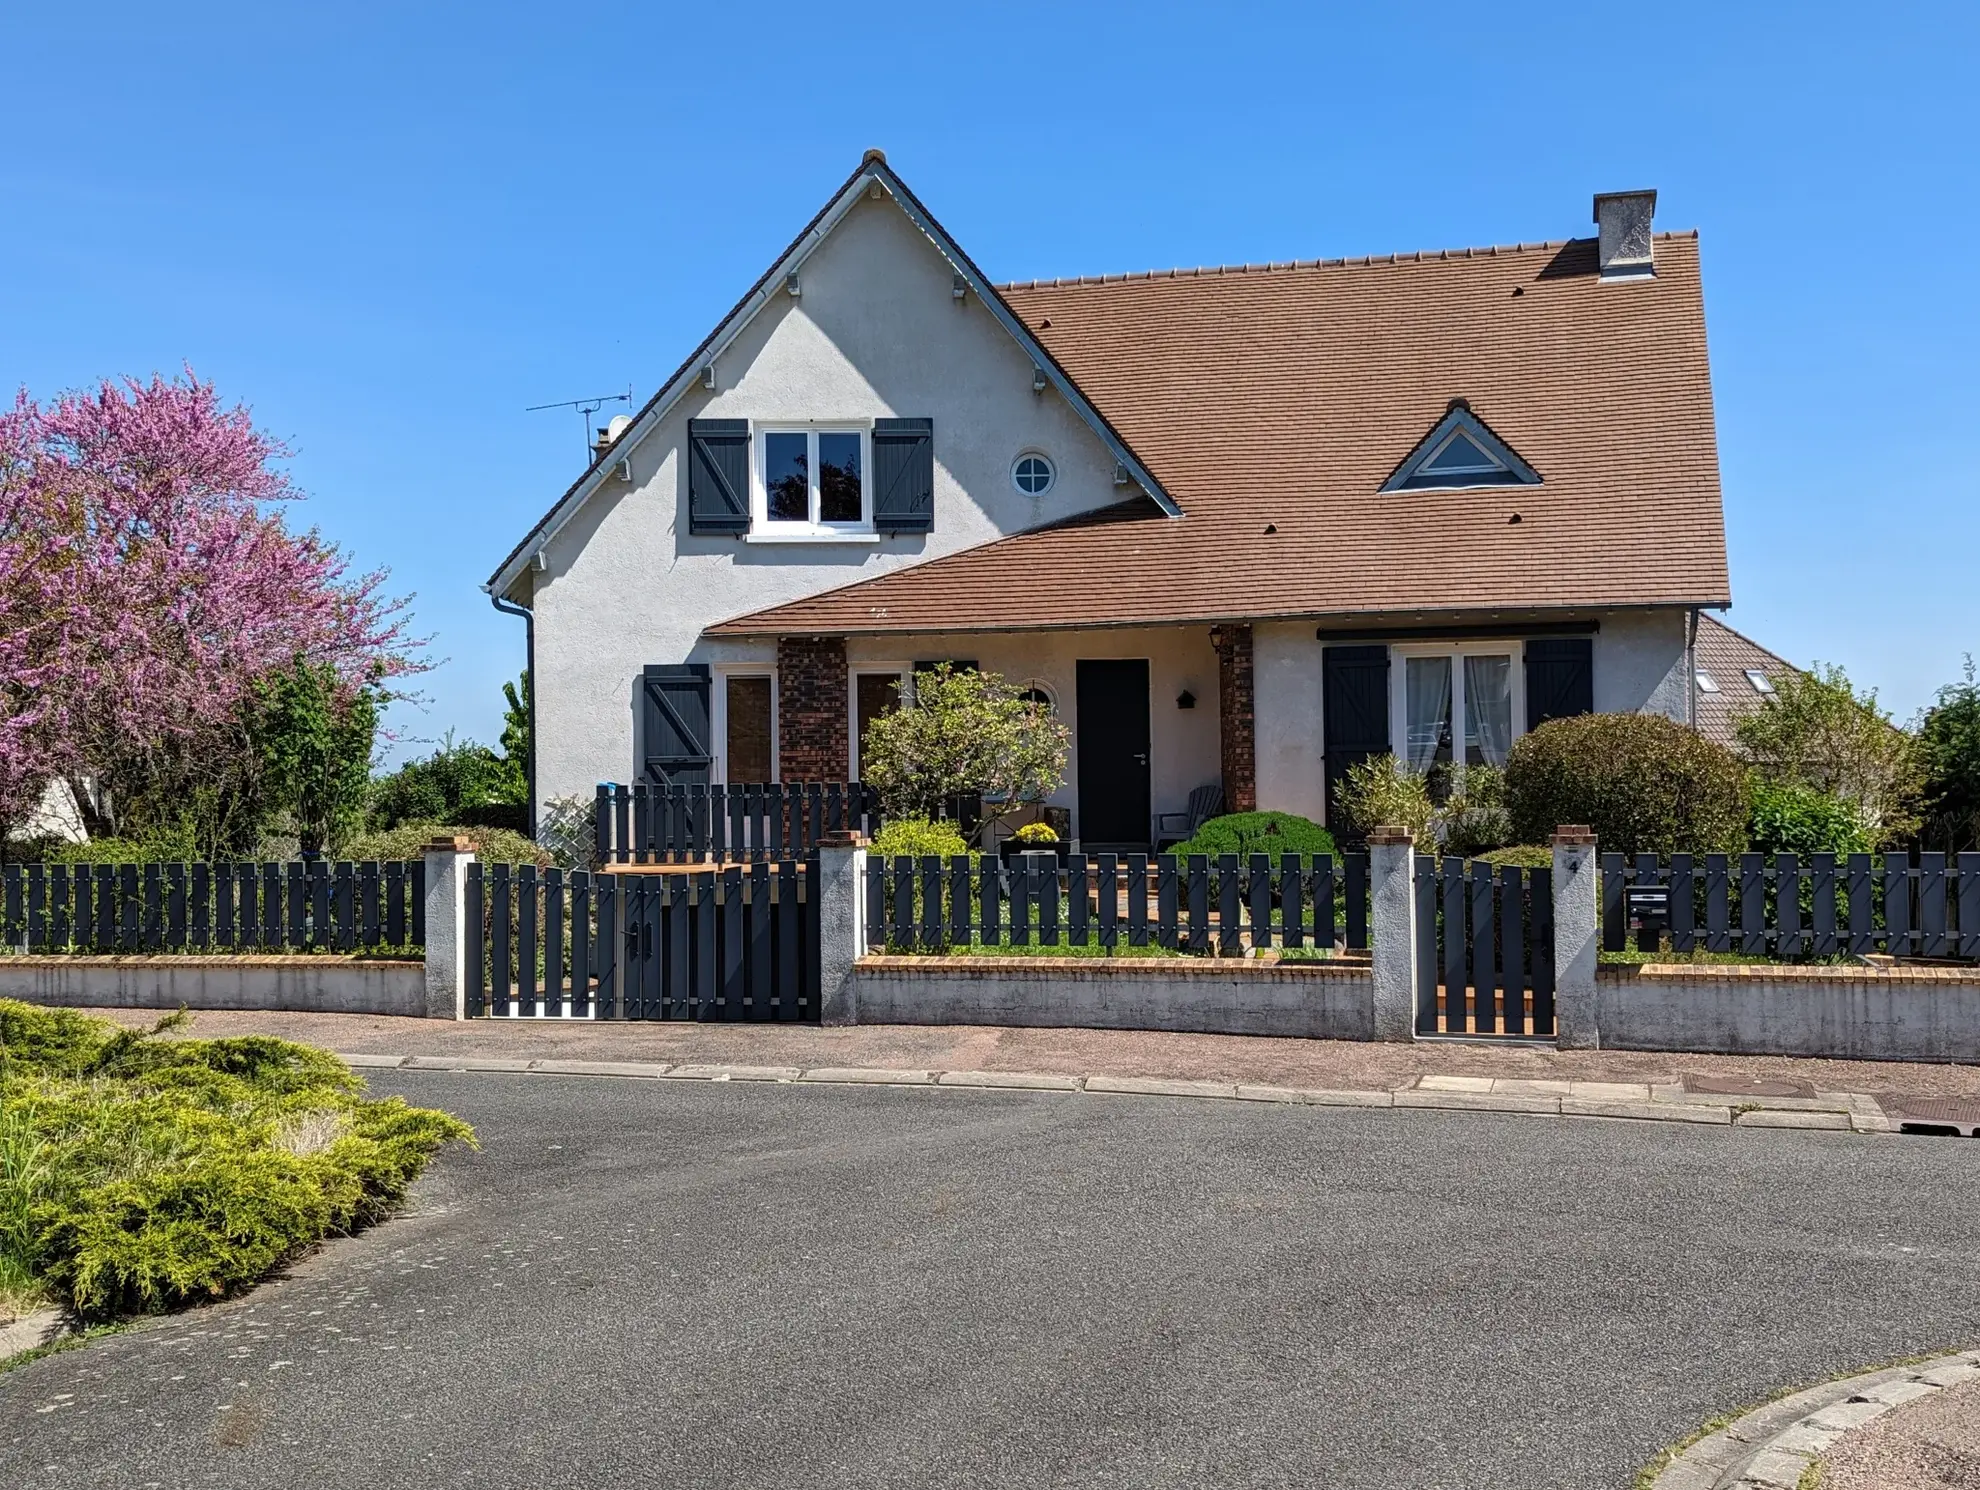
pixel 1733 675
pixel 1243 525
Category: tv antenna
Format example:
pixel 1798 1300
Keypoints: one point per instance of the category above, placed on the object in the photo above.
pixel 586 407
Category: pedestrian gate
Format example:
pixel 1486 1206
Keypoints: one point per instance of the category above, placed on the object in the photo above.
pixel 704 942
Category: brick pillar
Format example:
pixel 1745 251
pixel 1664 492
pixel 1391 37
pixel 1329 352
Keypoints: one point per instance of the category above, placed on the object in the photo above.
pixel 1237 730
pixel 812 708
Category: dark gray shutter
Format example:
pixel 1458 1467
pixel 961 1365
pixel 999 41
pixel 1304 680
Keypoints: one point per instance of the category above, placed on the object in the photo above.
pixel 674 724
pixel 718 475
pixel 1354 685
pixel 904 475
pixel 1560 679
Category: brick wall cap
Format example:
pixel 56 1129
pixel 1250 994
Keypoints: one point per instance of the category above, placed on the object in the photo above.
pixel 842 838
pixel 454 844
pixel 1391 833
pixel 1574 835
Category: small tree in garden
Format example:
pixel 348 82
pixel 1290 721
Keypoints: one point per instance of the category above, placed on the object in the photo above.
pixel 315 740
pixel 148 589
pixel 1817 731
pixel 965 733
pixel 1949 742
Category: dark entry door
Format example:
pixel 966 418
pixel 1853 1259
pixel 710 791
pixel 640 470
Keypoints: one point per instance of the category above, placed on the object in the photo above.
pixel 1113 754
pixel 1355 704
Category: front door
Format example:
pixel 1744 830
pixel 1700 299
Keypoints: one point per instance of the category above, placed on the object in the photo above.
pixel 1355 705
pixel 1113 754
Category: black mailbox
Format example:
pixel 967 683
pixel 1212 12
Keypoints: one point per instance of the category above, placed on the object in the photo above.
pixel 1649 907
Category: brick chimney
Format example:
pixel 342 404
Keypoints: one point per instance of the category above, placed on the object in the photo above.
pixel 1625 249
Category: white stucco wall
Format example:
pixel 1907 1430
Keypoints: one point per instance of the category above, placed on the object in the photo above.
pixel 1639 662
pixel 876 332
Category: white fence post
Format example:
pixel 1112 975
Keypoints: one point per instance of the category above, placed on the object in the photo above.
pixel 1392 931
pixel 841 892
pixel 448 945
pixel 1576 939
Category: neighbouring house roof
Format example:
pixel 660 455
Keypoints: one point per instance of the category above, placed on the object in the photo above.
pixel 1273 402
pixel 1724 657
pixel 873 174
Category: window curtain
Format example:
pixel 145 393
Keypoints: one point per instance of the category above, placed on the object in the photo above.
pixel 1488 707
pixel 1427 712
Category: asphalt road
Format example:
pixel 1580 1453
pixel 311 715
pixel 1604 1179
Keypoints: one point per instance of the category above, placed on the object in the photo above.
pixel 679 1284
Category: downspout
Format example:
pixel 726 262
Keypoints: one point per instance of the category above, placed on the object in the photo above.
pixel 1690 668
pixel 509 608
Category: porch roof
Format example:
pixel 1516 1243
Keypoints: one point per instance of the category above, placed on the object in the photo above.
pixel 1274 401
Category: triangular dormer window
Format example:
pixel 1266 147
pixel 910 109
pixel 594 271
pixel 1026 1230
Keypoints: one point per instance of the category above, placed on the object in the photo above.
pixel 1461 451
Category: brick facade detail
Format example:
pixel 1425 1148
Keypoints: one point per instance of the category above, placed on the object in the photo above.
pixel 1237 730
pixel 812 708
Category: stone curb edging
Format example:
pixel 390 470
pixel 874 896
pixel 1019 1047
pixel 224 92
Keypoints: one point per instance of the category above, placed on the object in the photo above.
pixel 1772 1447
pixel 32 1331
pixel 1662 1108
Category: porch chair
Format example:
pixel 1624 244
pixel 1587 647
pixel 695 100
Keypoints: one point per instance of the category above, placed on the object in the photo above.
pixel 1206 802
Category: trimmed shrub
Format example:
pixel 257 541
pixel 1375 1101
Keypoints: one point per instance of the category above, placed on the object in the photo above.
pixel 138 1174
pixel 1644 783
pixel 1248 833
pixel 918 838
pixel 1524 855
pixel 409 841
pixel 1789 818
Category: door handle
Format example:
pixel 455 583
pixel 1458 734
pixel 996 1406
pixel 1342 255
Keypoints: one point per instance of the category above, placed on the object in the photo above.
pixel 1141 759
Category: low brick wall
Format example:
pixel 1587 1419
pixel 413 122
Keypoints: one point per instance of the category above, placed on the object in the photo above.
pixel 1854 1013
pixel 314 985
pixel 1318 1000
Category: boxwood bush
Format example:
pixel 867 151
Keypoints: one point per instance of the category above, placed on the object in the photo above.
pixel 1644 783
pixel 138 1174
pixel 1248 833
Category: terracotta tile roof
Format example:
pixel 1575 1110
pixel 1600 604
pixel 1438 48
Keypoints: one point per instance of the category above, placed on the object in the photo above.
pixel 1272 402
pixel 1725 656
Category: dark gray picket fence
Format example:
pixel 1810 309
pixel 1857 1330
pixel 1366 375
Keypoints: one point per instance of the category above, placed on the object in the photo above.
pixel 738 942
pixel 224 907
pixel 1782 905
pixel 1484 948
pixel 1110 900
pixel 645 824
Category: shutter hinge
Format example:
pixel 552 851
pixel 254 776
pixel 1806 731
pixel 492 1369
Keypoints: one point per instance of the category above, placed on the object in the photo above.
pixel 1037 379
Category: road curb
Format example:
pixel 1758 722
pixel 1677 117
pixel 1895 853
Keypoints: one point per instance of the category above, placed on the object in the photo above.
pixel 1772 1447
pixel 1523 1101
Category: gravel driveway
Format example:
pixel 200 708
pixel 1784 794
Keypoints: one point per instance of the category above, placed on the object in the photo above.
pixel 698 1284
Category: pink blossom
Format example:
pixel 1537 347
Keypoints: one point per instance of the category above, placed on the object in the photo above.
pixel 148 581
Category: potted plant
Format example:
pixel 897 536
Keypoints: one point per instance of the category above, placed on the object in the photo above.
pixel 1035 843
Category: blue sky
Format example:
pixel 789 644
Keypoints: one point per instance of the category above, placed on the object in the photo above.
pixel 390 228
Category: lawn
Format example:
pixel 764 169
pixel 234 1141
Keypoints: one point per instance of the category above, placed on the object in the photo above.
pixel 139 1173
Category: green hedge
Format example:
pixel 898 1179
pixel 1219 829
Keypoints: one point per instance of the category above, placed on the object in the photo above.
pixel 1248 833
pixel 139 1174
pixel 1644 783
pixel 1789 818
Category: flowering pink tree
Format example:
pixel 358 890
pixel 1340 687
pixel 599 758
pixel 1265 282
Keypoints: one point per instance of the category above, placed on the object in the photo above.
pixel 148 585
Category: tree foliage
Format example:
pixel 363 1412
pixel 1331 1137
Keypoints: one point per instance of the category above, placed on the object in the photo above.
pixel 314 740
pixel 964 733
pixel 1949 744
pixel 148 588
pixel 1816 730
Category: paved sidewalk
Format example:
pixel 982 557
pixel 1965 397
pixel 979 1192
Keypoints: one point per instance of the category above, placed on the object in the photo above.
pixel 1929 1443
pixel 1779 1091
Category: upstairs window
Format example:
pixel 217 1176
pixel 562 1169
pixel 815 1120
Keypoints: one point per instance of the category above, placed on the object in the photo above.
pixel 1762 684
pixel 1460 451
pixel 812 480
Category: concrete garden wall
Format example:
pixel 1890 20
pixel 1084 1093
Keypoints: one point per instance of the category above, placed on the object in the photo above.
pixel 1860 1013
pixel 315 985
pixel 1317 1000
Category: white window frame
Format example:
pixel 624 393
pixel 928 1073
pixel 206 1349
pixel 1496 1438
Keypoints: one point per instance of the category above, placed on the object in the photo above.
pixel 904 671
pixel 1051 473
pixel 719 716
pixel 1457 651
pixel 1461 476
pixel 812 530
